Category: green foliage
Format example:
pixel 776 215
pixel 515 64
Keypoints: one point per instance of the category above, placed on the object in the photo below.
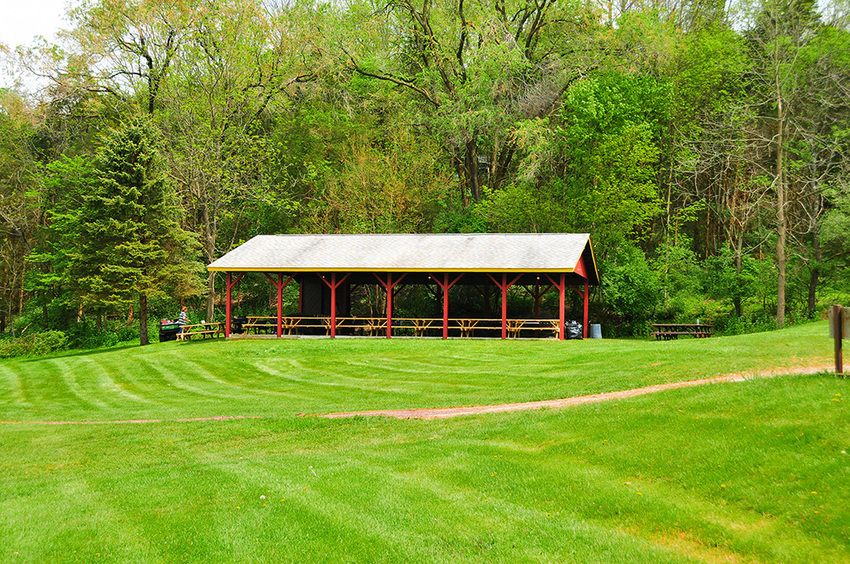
pixel 631 290
pixel 708 76
pixel 66 182
pixel 519 209
pixel 128 240
pixel 393 188
pixel 608 143
pixel 86 335
pixel 35 344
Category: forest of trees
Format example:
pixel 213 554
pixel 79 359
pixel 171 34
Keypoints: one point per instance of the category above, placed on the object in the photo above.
pixel 704 146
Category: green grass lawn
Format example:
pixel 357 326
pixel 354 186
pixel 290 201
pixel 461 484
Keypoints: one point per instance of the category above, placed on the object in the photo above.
pixel 286 377
pixel 744 472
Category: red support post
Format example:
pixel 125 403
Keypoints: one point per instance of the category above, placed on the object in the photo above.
pixel 388 286
pixel 561 285
pixel 333 305
pixel 389 305
pixel 562 290
pixel 230 284
pixel 280 285
pixel 504 286
pixel 334 284
pixel 446 285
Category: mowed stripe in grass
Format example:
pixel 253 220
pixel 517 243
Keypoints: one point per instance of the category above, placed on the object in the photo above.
pixel 743 472
pixel 285 377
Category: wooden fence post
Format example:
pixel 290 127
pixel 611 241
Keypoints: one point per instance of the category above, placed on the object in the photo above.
pixel 838 318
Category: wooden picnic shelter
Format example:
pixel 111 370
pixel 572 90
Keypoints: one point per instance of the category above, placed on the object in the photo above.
pixel 327 266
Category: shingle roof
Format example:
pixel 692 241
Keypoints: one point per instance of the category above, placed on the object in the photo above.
pixel 478 252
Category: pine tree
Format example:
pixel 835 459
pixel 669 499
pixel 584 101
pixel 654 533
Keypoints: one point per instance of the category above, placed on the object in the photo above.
pixel 130 242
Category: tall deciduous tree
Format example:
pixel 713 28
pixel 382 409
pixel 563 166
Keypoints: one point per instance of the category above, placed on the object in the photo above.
pixel 238 61
pixel 472 69
pixel 129 242
pixel 781 31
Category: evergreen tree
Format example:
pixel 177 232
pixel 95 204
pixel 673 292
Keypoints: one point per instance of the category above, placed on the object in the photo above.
pixel 129 238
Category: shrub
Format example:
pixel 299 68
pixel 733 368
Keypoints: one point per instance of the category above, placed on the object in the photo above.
pixel 35 344
pixel 84 335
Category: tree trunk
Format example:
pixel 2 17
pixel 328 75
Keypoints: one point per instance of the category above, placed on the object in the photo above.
pixel 814 275
pixel 211 296
pixel 143 319
pixel 209 249
pixel 471 165
pixel 739 246
pixel 781 227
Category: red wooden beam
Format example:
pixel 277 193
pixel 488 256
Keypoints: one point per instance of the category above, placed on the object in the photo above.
pixel 503 286
pixel 561 286
pixel 280 285
pixel 334 284
pixel 389 285
pixel 446 286
pixel 230 284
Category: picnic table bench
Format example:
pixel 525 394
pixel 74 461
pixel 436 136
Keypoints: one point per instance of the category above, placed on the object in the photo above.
pixel 289 324
pixel 260 323
pixel 202 330
pixel 668 331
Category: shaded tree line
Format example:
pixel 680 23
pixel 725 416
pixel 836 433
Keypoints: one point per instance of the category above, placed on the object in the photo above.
pixel 704 146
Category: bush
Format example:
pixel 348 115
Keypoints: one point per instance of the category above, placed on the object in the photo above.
pixel 35 344
pixel 84 335
pixel 631 291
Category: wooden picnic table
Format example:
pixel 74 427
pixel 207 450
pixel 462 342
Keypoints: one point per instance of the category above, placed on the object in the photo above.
pixel 667 331
pixel 377 326
pixel 202 330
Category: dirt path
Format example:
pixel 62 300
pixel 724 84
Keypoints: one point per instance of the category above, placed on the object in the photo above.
pixel 446 412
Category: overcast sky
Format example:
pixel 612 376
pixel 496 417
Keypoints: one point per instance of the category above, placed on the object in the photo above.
pixel 21 20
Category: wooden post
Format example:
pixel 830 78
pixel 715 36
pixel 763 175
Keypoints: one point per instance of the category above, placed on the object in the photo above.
pixel 562 290
pixel 388 286
pixel 230 285
pixel 333 305
pixel 280 285
pixel 504 289
pixel 504 285
pixel 333 285
pixel 561 285
pixel 836 331
pixel 446 285
pixel 227 309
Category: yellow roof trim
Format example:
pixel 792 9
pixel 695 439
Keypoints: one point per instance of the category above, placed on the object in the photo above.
pixel 367 270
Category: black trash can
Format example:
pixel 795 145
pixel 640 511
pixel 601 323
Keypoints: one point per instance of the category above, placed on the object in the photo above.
pixel 168 331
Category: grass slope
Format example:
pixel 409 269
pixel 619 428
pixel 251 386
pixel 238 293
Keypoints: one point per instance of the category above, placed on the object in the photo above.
pixel 285 377
pixel 745 472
